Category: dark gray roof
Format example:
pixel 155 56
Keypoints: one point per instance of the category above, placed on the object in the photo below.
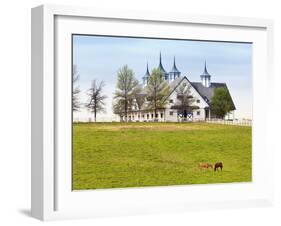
pixel 205 92
pixel 208 92
pixel 173 84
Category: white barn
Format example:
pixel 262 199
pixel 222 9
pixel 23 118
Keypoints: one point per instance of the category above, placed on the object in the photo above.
pixel 201 92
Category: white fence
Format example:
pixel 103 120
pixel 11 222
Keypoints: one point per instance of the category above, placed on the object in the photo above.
pixel 237 122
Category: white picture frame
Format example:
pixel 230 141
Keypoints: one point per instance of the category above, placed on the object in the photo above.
pixel 51 196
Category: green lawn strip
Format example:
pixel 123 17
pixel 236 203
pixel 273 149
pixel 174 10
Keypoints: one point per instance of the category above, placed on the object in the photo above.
pixel 109 155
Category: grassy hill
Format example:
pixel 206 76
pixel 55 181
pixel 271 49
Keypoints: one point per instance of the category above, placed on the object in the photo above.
pixel 114 155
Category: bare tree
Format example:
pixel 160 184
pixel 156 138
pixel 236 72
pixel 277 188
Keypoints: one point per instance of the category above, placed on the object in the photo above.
pixel 76 90
pixel 157 91
pixel 139 98
pixel 185 101
pixel 118 108
pixel 96 98
pixel 126 83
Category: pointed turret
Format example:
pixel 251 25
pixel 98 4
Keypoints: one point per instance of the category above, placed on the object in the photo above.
pixel 165 74
pixel 174 69
pixel 146 75
pixel 205 73
pixel 174 73
pixel 206 77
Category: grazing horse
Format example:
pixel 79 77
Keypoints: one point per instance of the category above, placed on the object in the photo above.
pixel 205 165
pixel 218 165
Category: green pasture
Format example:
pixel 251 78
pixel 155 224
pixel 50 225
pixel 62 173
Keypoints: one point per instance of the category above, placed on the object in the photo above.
pixel 117 155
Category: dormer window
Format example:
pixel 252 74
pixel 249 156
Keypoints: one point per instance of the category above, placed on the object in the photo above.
pixel 171 101
pixel 197 101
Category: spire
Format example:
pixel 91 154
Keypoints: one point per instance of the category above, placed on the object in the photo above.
pixel 161 66
pixel 205 73
pixel 174 69
pixel 147 71
pixel 146 75
pixel 206 77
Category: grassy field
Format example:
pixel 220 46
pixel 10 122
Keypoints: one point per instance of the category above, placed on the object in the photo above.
pixel 114 155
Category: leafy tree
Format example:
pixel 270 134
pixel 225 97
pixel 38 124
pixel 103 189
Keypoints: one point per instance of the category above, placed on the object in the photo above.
pixel 221 102
pixel 185 99
pixel 157 91
pixel 76 90
pixel 96 98
pixel 126 84
pixel 118 107
pixel 139 97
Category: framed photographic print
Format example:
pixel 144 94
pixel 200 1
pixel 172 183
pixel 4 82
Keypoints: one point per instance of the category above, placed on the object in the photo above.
pixel 137 112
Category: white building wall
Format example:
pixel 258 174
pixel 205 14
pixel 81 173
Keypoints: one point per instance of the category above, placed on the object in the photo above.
pixel 146 116
pixel 171 115
pixel 199 114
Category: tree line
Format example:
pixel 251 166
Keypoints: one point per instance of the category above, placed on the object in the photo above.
pixel 129 95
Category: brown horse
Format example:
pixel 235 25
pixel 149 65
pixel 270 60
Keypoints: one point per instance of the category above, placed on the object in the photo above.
pixel 218 165
pixel 205 165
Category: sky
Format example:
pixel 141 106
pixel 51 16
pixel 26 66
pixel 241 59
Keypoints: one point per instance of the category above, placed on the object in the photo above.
pixel 100 57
